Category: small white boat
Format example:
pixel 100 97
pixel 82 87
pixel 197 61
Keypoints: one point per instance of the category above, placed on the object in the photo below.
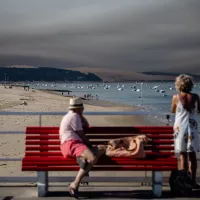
pixel 155 87
pixel 162 91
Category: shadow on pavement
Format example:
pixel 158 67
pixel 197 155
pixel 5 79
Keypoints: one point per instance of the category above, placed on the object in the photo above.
pixel 8 198
pixel 136 194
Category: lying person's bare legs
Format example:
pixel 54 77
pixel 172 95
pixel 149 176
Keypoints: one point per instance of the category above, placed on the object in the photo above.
pixel 90 159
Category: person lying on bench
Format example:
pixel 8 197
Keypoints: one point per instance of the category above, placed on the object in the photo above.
pixel 74 143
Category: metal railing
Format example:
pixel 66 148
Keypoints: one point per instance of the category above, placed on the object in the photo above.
pixel 68 179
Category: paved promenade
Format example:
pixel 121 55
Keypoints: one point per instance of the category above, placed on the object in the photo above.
pixel 96 190
pixel 88 192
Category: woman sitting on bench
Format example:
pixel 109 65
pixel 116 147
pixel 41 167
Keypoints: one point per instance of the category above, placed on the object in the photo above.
pixel 74 143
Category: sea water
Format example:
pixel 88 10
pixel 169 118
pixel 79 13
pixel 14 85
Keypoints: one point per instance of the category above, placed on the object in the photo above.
pixel 150 96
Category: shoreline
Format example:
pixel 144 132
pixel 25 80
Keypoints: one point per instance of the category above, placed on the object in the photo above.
pixel 31 97
pixel 149 119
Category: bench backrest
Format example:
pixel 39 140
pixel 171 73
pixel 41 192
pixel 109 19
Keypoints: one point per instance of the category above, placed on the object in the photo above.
pixel 44 141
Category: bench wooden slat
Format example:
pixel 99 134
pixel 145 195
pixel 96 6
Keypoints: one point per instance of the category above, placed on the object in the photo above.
pixel 102 162
pixel 108 136
pixel 57 148
pixel 105 136
pixel 113 129
pixel 61 158
pixel 148 153
pixel 134 129
pixel 56 164
pixel 120 168
pixel 91 131
pixel 44 142
pixel 104 168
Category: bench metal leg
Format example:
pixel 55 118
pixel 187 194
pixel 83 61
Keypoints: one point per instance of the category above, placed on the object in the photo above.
pixel 42 184
pixel 157 183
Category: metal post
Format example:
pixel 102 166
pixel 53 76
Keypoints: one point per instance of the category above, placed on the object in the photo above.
pixel 157 183
pixel 42 183
pixel 141 92
pixel 40 119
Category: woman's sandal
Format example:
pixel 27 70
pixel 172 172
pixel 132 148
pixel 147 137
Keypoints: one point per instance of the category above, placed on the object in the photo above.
pixel 73 192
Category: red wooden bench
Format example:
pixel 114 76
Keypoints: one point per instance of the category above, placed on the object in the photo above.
pixel 42 153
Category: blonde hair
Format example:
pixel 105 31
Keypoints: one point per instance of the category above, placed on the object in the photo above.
pixel 184 83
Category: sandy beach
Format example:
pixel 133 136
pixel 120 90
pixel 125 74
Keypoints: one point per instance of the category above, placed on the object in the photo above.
pixel 12 145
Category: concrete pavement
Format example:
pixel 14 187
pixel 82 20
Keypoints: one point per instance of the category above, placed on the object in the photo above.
pixel 88 192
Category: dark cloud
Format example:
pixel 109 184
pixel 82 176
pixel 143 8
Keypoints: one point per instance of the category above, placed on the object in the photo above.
pixel 133 34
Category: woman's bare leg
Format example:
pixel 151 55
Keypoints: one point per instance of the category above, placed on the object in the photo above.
pixel 193 166
pixel 184 161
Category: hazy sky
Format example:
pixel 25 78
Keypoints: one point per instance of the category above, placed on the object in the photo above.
pixel 137 35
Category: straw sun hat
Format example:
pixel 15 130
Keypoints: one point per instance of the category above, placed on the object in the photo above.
pixel 75 103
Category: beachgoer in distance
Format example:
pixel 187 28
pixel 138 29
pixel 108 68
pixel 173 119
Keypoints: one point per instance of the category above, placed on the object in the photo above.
pixel 74 143
pixel 186 141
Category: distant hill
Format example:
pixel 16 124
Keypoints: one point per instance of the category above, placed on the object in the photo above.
pixel 30 73
pixel 113 75
pixel 197 77
pixel 90 74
